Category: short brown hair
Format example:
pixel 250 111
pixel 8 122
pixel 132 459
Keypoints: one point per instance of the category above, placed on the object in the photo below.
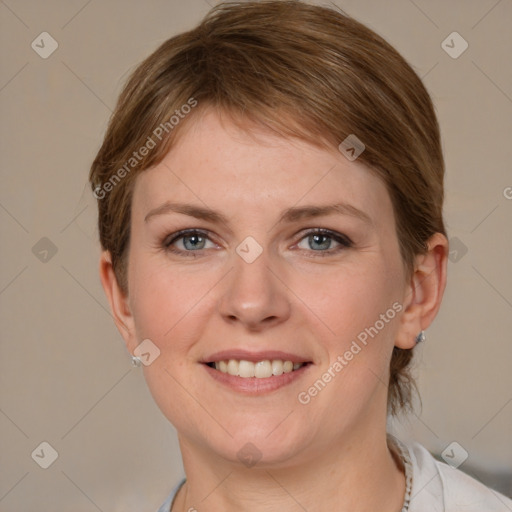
pixel 302 71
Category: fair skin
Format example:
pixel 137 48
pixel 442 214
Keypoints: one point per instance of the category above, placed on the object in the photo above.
pixel 328 454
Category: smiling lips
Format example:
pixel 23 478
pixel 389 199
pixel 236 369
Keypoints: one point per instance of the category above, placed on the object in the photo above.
pixel 243 369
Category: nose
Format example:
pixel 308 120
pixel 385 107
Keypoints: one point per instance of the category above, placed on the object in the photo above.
pixel 255 295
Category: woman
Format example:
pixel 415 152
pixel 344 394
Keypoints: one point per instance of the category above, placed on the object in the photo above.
pixel 270 194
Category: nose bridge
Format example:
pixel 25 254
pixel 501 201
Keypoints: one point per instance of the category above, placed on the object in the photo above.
pixel 254 294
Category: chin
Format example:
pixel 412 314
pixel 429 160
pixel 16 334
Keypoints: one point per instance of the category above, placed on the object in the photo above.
pixel 269 443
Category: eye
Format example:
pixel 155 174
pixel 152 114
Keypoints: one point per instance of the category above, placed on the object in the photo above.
pixel 191 240
pixel 321 240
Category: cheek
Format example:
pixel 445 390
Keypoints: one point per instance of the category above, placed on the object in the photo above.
pixel 351 300
pixel 361 310
pixel 167 301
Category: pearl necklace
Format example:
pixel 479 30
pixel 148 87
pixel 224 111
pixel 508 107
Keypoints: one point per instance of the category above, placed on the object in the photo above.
pixel 405 457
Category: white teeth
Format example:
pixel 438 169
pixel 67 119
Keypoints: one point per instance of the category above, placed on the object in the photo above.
pixel 263 369
pixel 246 369
pixel 277 367
pixel 232 367
pixel 260 370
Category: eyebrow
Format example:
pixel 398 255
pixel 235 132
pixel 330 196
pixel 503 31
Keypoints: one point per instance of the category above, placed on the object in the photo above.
pixel 293 214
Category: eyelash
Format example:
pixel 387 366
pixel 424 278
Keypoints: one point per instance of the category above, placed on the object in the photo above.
pixel 343 240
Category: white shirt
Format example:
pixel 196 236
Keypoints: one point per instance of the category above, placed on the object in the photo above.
pixel 436 487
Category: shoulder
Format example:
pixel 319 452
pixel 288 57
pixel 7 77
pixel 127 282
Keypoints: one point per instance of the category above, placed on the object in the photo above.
pixel 440 487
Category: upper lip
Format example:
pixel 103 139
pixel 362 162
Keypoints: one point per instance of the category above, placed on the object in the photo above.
pixel 240 354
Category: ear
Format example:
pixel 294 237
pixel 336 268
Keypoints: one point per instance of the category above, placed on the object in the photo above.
pixel 424 291
pixel 119 304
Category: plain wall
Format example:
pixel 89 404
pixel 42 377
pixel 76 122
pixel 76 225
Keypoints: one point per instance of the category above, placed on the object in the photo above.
pixel 65 374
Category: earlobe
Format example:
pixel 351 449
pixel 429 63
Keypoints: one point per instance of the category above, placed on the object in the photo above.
pixel 118 301
pixel 424 292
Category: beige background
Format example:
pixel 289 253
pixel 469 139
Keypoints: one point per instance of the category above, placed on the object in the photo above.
pixel 65 374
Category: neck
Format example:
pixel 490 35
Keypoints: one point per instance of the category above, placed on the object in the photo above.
pixel 357 473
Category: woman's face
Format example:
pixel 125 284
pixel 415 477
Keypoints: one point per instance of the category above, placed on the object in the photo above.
pixel 262 286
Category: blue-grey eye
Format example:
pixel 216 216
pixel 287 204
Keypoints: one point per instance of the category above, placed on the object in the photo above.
pixel 191 241
pixel 322 241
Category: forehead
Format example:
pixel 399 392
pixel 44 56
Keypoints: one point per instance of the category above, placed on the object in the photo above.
pixel 216 163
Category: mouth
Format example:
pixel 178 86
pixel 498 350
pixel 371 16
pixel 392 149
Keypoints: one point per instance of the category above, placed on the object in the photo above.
pixel 258 373
pixel 263 369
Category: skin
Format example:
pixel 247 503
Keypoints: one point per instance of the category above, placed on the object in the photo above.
pixel 330 454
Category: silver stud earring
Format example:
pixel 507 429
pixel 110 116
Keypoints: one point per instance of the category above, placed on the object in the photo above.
pixel 136 361
pixel 421 337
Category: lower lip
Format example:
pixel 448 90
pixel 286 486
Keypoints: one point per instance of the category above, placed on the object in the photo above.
pixel 254 385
